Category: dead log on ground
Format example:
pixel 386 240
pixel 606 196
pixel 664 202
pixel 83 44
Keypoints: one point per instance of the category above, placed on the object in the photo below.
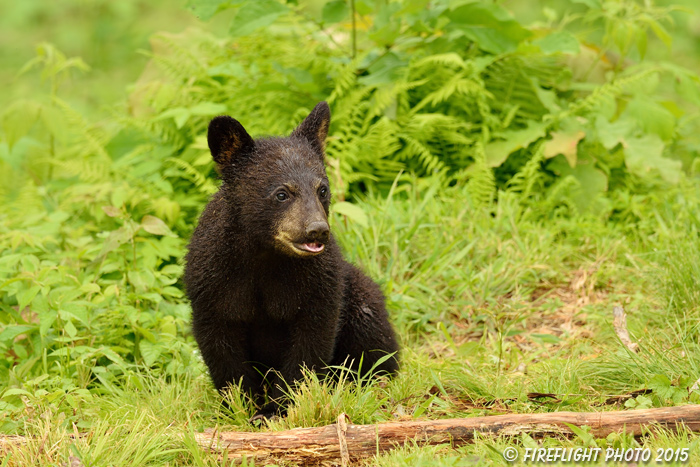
pixel 326 444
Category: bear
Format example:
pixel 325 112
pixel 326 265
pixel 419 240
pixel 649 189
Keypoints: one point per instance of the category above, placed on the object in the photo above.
pixel 270 291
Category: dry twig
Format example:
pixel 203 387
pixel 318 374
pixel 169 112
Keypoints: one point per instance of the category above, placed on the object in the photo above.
pixel 620 325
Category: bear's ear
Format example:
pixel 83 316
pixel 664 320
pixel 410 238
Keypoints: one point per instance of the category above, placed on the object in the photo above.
pixel 227 139
pixel 315 127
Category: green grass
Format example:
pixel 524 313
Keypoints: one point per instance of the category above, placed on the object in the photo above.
pixel 490 306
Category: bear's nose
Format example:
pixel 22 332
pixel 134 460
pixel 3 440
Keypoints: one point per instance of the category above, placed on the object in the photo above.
pixel 318 230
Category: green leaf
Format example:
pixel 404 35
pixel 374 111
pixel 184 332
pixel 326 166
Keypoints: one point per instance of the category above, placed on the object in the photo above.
pixel 688 86
pixel 386 70
pixel 592 182
pixel 113 356
pixel 18 119
pixel 115 239
pixel 40 304
pixel 142 280
pixel 46 320
pixel 12 331
pixel 168 326
pixel 653 117
pixel 172 292
pixel 585 436
pixel 661 386
pixel 364 7
pixel 643 155
pixel 564 143
pixel 179 114
pixel 256 14
pixel 227 69
pixel 612 134
pixel 149 351
pixel 155 226
pixel 205 9
pixel 659 31
pixel 489 25
pixel 25 296
pixel 624 34
pixel 335 11
pixel 642 43
pixel 558 42
pixel 111 211
pixel 497 152
pixel 30 263
pixel 182 114
pixel 352 212
pixel 16 392
pixel 70 329
pixel 208 108
pixel 639 402
pixel 386 27
pixel 75 311
pixel 90 287
pixel 592 4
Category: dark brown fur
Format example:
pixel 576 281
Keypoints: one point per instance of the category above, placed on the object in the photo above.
pixel 259 302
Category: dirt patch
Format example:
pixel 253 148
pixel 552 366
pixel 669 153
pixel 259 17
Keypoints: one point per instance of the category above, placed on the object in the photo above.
pixel 550 314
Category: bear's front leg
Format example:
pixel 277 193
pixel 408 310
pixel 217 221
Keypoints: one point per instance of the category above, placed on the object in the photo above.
pixel 311 346
pixel 221 345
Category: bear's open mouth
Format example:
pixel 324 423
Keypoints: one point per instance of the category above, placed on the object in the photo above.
pixel 312 247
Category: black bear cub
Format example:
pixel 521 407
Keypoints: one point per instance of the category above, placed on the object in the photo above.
pixel 269 287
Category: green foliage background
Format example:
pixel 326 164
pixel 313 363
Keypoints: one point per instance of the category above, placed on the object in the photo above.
pixel 477 151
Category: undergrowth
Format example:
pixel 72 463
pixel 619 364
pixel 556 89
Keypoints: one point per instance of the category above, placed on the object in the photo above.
pixel 506 185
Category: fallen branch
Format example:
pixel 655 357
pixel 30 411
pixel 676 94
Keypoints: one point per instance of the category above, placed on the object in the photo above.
pixel 323 444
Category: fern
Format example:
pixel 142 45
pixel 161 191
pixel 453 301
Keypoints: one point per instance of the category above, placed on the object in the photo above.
pixel 609 90
pixel 87 170
pixel 188 172
pixel 345 80
pixel 482 184
pixel 180 62
pixel 93 137
pixel 513 81
pixel 525 180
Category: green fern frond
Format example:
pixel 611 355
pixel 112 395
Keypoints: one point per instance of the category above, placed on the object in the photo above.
pixel 429 162
pixel 28 198
pixel 200 181
pixel 94 137
pixel 514 80
pixel 345 79
pixel 482 183
pixel 451 60
pixel 87 170
pixel 386 97
pixel 609 90
pixel 557 195
pixel 457 87
pixel 179 63
pixel 530 174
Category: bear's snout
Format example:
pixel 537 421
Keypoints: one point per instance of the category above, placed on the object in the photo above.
pixel 318 231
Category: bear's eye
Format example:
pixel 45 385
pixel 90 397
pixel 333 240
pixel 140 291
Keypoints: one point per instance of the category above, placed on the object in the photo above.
pixel 323 192
pixel 282 196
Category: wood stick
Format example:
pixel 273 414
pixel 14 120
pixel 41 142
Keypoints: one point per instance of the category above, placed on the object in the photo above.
pixel 323 444
pixel 620 326
pixel 342 429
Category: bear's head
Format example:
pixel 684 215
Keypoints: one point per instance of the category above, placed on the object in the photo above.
pixel 278 186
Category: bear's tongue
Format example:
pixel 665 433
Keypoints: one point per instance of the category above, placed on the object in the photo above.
pixel 312 247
